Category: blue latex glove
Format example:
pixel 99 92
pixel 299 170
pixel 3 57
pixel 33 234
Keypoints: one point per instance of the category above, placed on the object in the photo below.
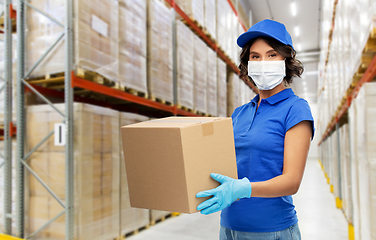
pixel 224 195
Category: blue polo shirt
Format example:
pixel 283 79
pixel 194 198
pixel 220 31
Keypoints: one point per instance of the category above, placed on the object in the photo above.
pixel 259 145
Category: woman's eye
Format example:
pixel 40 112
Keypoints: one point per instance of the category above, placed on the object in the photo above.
pixel 273 55
pixel 255 57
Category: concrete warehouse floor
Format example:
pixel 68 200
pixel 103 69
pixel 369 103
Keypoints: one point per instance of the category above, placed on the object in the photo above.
pixel 318 216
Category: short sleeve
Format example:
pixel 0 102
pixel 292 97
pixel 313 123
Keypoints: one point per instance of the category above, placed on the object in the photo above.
pixel 299 111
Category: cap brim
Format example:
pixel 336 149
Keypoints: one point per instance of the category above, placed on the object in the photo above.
pixel 244 38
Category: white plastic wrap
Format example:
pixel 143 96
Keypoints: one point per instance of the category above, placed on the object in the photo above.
pixel 233 86
pixel 96 168
pixel 221 89
pixel 211 18
pixel 95 37
pixel 159 51
pixel 193 8
pixel 14 76
pixel 199 72
pixel 13 187
pixel 211 82
pixel 185 78
pixel 132 44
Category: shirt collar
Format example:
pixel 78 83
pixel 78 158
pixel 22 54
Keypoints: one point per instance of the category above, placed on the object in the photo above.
pixel 282 95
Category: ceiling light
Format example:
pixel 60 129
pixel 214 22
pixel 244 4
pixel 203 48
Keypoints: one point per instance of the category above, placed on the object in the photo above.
pixel 304 83
pixel 297 32
pixel 293 9
pixel 298 47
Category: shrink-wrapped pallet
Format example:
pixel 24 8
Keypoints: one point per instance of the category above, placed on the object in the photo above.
pixel 233 86
pixel 355 221
pixel 96 36
pixel 211 86
pixel 347 203
pixel 223 17
pixel 96 173
pixel 199 75
pixel 366 157
pixel 12 187
pixel 221 89
pixel 193 8
pixel 242 92
pixel 335 160
pixel 156 215
pixel 185 55
pixel 210 18
pixel 14 75
pixel 159 52
pixel 131 219
pixel 132 44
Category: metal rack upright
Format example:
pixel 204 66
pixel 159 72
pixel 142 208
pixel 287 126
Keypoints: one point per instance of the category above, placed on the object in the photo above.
pixel 22 158
pixel 8 126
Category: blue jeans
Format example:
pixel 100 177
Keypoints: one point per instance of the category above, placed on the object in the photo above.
pixel 291 233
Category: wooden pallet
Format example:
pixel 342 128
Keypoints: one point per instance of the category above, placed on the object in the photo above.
pixel 14 24
pixel 153 222
pixel 132 233
pixel 132 91
pixel 210 36
pixel 184 108
pixel 155 99
pixel 94 77
pixel 54 81
pixel 201 114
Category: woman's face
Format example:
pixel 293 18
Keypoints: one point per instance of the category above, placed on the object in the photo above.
pixel 261 51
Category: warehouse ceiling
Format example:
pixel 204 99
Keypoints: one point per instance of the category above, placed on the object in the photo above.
pixel 302 20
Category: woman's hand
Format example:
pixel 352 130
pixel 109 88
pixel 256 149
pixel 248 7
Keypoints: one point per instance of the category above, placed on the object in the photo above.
pixel 228 192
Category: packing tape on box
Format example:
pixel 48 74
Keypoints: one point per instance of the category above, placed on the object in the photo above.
pixel 207 129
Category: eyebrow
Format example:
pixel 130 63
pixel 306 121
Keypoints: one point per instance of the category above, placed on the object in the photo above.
pixel 270 51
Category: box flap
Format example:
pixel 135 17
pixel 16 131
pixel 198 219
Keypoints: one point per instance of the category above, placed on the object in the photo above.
pixel 174 122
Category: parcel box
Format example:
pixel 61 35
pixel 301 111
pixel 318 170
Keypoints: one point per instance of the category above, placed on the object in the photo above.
pixel 169 160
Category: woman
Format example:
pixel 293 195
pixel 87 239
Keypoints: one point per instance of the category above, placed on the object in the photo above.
pixel 272 137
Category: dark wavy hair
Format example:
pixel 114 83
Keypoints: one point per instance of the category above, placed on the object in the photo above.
pixel 294 68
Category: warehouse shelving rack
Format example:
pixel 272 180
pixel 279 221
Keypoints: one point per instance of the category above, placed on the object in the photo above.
pixel 352 92
pixel 208 41
pixel 71 81
pixel 8 130
pixel 365 73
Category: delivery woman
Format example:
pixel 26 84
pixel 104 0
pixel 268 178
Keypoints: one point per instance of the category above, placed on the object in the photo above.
pixel 272 136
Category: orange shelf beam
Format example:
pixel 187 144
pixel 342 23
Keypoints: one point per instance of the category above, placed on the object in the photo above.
pixel 108 91
pixel 237 15
pixel 367 77
pixel 12 131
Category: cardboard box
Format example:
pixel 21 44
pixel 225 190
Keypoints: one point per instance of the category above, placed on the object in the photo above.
pixel 169 160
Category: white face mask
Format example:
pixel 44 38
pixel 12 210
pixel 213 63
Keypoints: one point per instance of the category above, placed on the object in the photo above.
pixel 267 74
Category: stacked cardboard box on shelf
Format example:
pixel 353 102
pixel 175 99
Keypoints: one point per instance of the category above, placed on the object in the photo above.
pixel 131 219
pixel 365 156
pixel 199 75
pixel 193 8
pixel 96 172
pixel 132 44
pixel 221 89
pixel 95 37
pixel 185 57
pixel 233 86
pixel 210 18
pixel 227 29
pixel 211 86
pixel 159 46
pixel 14 75
pixel 13 185
pixel 347 201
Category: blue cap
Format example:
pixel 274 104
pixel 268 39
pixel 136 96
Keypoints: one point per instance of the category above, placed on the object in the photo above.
pixel 266 28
